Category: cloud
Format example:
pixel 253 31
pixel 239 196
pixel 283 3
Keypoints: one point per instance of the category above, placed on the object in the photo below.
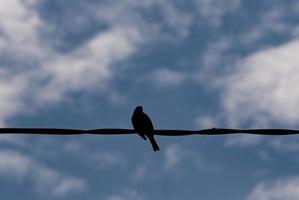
pixel 68 186
pixel 128 194
pixel 214 11
pixel 46 180
pixel 175 161
pixel 281 189
pixel 243 140
pixel 173 156
pixel 288 144
pixel 14 164
pixel 17 140
pixel 11 92
pixel 171 21
pixel 263 87
pixel 89 66
pixel 41 74
pixel 206 122
pixel 285 144
pixel 214 54
pixel 272 20
pixel 140 172
pixel 177 157
pixel 19 24
pixel 101 159
pixel 164 77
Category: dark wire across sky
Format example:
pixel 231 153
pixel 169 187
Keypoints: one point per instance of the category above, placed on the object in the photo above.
pixel 111 131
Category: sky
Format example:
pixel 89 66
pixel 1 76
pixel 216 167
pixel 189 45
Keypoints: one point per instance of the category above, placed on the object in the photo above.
pixel 191 64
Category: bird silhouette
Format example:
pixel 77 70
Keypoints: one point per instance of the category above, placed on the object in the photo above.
pixel 144 126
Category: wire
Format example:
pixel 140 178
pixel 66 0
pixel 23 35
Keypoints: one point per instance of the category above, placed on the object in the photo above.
pixel 112 131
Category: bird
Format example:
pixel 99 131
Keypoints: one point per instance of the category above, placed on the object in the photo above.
pixel 144 126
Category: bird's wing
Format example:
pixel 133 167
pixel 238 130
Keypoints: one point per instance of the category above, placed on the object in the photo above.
pixel 147 122
pixel 137 124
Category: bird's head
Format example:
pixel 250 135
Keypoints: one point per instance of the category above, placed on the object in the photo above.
pixel 138 109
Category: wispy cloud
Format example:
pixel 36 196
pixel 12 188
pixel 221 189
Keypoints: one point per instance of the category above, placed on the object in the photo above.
pixel 285 144
pixel 89 66
pixel 42 74
pixel 177 157
pixel 174 154
pixel 243 141
pixel 19 24
pixel 214 11
pixel 21 168
pixel 12 89
pixel 206 122
pixel 174 162
pixel 128 194
pixel 272 20
pixel 164 77
pixel 101 159
pixel 281 189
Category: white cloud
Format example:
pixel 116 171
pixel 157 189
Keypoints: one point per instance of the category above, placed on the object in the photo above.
pixel 176 160
pixel 107 159
pixel 101 159
pixel 215 62
pixel 46 180
pixel 41 74
pixel 164 77
pixel 173 156
pixel 285 144
pixel 140 172
pixel 172 22
pixel 17 140
pixel 14 164
pixel 205 122
pixel 214 54
pixel 263 91
pixel 176 156
pixel 128 194
pixel 19 23
pixel 213 10
pixel 280 144
pixel 68 186
pixel 88 66
pixel 173 159
pixel 243 140
pixel 282 189
pixel 12 89
pixel 270 21
pixel 263 87
pixel 179 21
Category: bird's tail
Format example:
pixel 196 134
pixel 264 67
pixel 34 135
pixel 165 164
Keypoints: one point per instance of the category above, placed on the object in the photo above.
pixel 154 143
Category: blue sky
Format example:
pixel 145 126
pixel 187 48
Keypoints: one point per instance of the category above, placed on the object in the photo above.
pixel 192 65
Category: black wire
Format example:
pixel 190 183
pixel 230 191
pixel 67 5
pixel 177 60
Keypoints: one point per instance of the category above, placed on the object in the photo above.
pixel 110 131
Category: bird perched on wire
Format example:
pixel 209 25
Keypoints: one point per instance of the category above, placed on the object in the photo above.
pixel 144 126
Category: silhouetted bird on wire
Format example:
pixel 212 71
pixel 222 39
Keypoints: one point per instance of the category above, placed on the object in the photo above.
pixel 144 126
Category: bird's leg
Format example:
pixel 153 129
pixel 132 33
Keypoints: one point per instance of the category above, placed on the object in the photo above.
pixel 142 135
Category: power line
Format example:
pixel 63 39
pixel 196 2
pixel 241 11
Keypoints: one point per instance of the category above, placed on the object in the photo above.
pixel 113 131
